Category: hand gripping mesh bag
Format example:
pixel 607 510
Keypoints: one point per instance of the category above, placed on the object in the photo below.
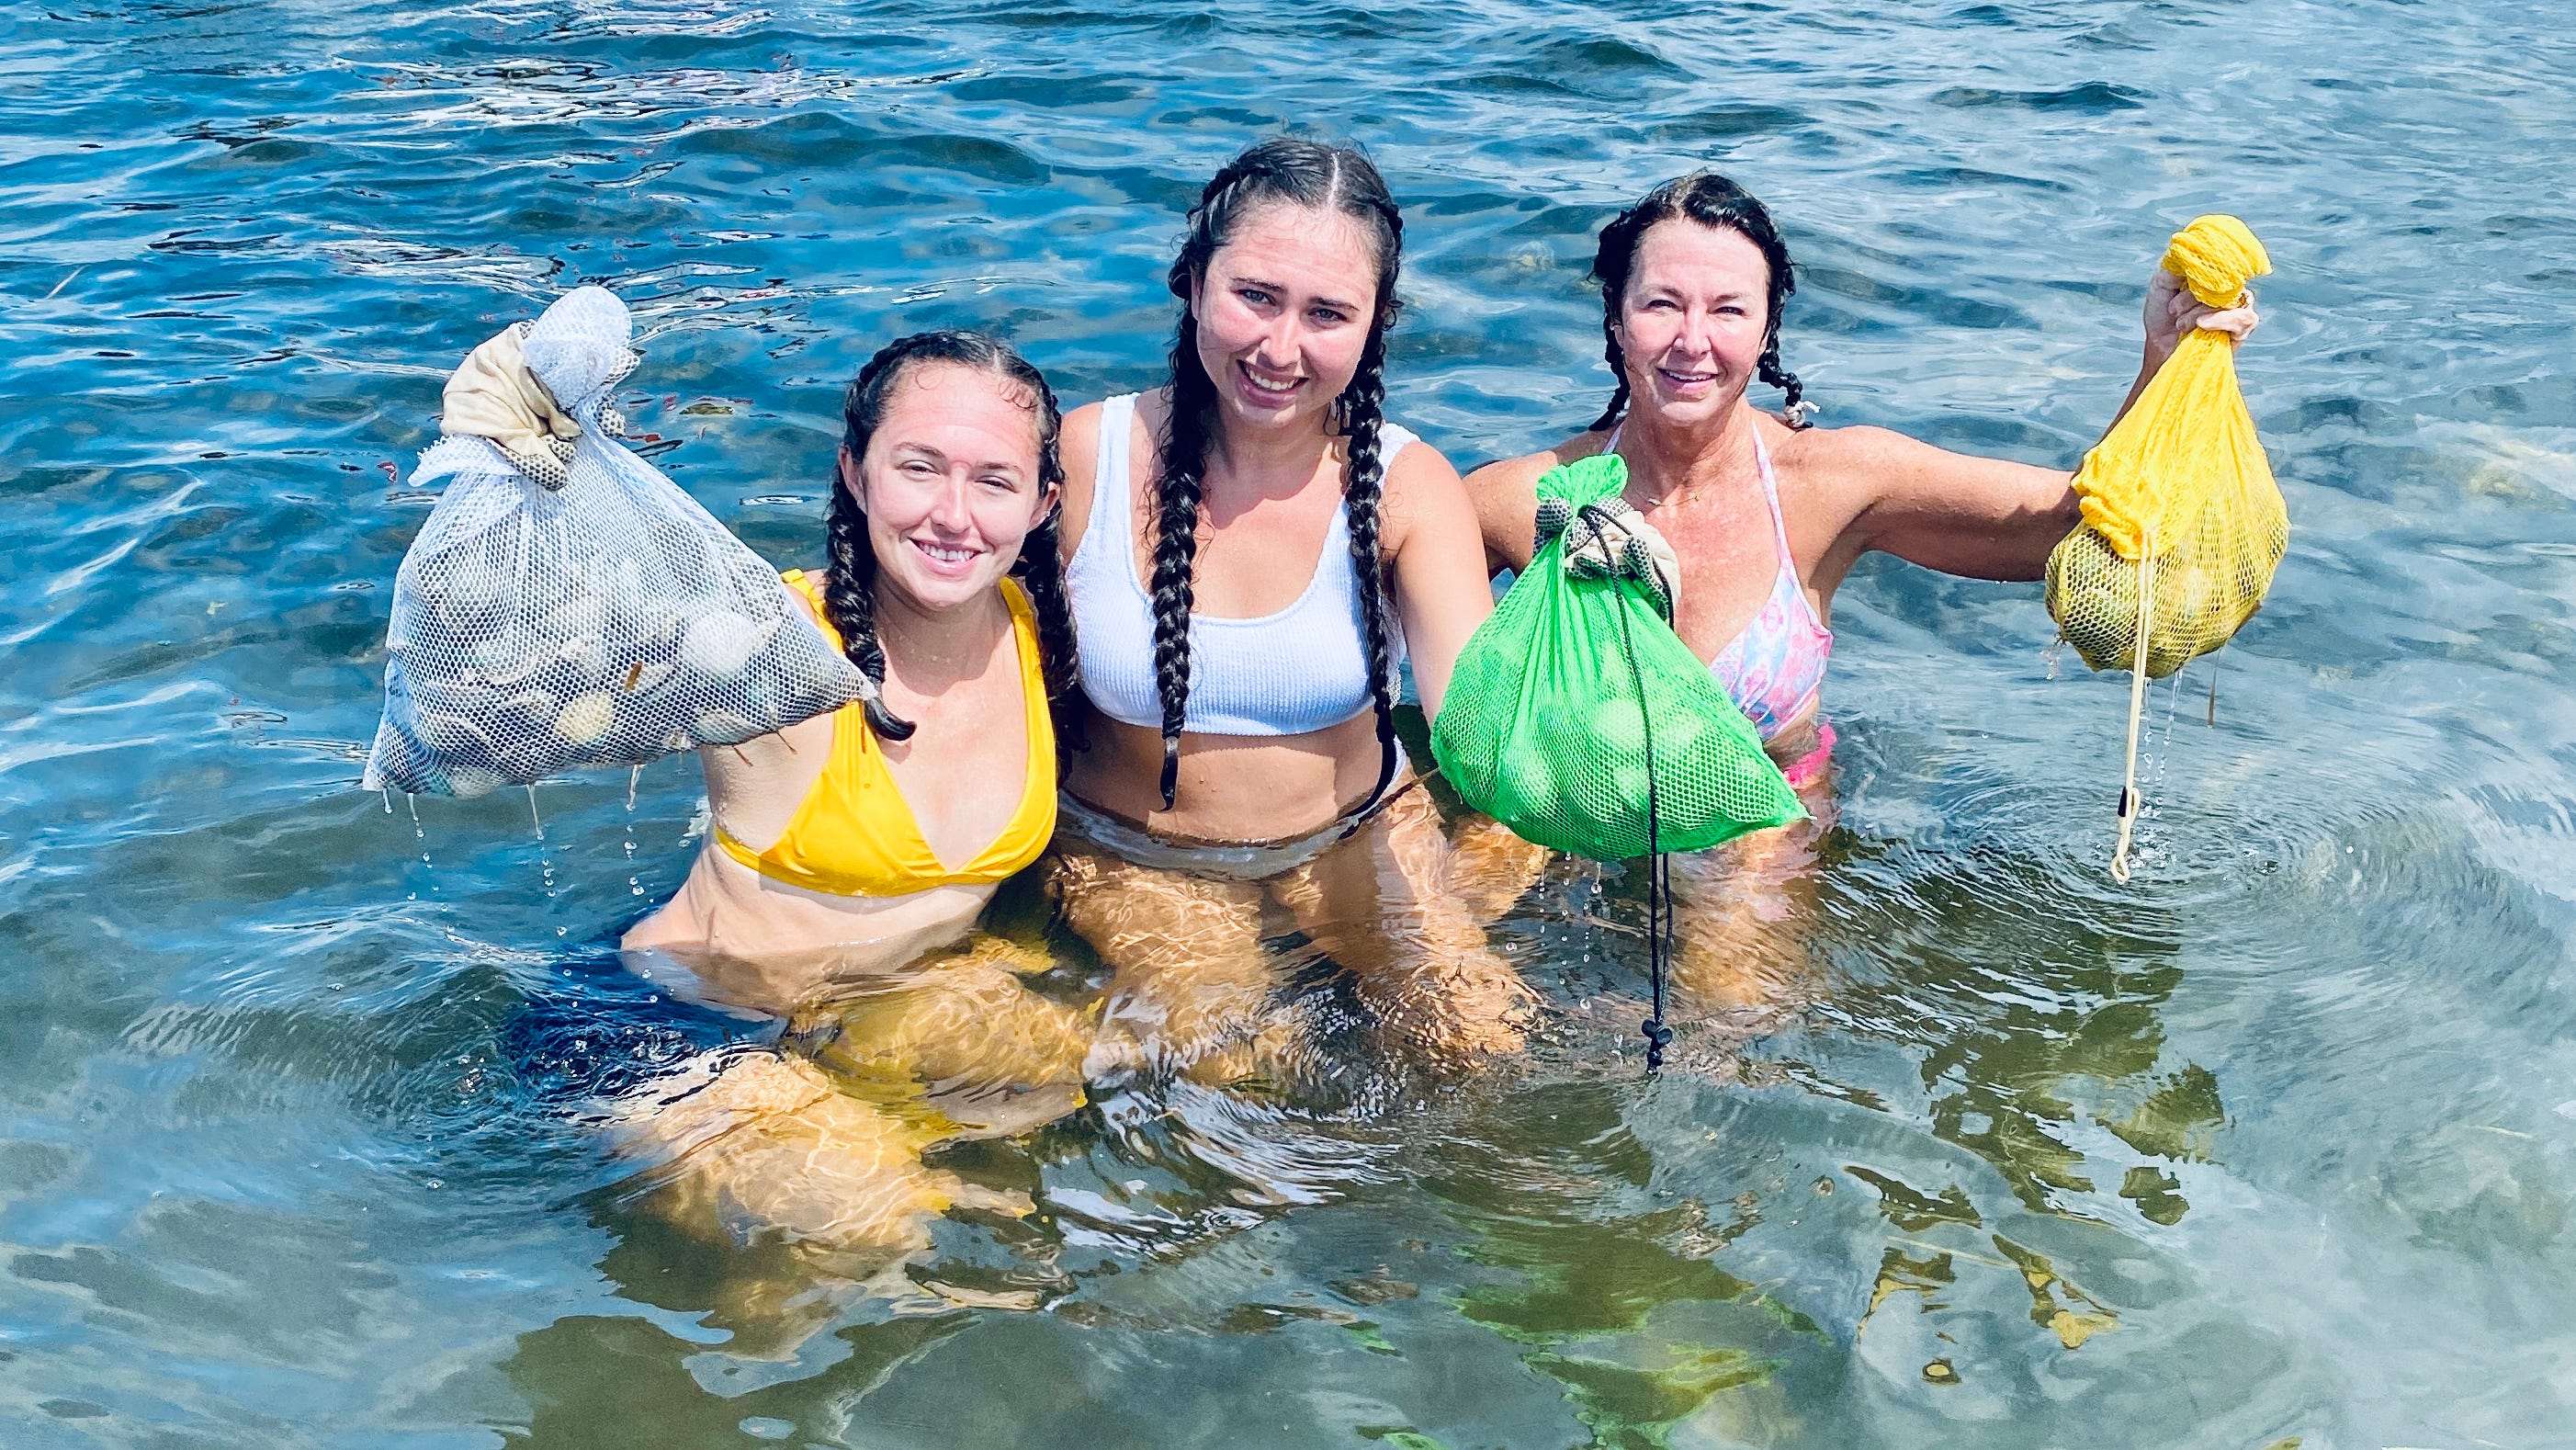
pixel 1579 719
pixel 567 605
pixel 2183 524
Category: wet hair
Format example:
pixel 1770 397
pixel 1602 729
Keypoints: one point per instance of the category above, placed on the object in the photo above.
pixel 1712 201
pixel 849 595
pixel 1323 178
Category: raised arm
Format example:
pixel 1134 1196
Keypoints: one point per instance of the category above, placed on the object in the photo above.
pixel 1988 518
pixel 1442 588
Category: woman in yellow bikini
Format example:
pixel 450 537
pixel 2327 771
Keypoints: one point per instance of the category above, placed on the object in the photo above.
pixel 861 839
pixel 848 856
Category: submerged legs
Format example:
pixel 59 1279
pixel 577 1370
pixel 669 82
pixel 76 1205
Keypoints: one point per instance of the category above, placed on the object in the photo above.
pixel 1390 905
pixel 1189 972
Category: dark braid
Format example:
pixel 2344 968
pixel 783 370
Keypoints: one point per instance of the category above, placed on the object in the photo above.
pixel 1363 410
pixel 1040 570
pixel 849 595
pixel 849 592
pixel 1712 201
pixel 849 601
pixel 1795 406
pixel 1618 361
pixel 1318 177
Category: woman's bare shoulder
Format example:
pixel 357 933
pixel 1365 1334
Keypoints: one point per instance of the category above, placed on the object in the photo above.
pixel 1079 439
pixel 820 581
pixel 1419 485
pixel 1418 464
pixel 1515 477
pixel 1860 461
pixel 1505 495
pixel 1858 445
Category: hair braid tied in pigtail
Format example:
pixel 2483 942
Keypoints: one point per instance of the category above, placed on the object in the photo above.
pixel 1364 412
pixel 1176 544
pixel 1181 472
pixel 1040 570
pixel 849 593
pixel 1797 409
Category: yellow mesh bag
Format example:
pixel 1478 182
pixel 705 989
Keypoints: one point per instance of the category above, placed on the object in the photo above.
pixel 2183 525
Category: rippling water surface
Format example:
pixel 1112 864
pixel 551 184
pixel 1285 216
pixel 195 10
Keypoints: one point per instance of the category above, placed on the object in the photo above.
pixel 2271 1147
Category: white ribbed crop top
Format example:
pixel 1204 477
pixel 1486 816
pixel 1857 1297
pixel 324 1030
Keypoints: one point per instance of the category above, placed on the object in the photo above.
pixel 1304 668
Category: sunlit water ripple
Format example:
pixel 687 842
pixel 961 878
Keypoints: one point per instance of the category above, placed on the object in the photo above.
pixel 298 1142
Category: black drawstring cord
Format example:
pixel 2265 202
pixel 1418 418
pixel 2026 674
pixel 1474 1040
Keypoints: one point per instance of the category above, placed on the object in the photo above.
pixel 1659 941
pixel 1659 902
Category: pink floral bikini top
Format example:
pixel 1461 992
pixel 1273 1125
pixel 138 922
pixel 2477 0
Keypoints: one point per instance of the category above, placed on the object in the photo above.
pixel 1775 668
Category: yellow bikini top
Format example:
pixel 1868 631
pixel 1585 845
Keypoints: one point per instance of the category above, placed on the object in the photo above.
pixel 854 835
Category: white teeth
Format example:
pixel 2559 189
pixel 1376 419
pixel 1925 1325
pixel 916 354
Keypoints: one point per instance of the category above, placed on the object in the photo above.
pixel 946 555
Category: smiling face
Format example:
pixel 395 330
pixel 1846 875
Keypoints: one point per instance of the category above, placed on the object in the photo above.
pixel 1692 319
pixel 1284 309
pixel 950 482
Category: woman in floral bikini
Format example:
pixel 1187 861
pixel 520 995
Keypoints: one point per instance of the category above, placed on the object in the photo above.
pixel 1767 515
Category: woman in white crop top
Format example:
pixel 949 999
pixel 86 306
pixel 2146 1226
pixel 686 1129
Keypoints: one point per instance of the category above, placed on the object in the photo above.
pixel 1252 550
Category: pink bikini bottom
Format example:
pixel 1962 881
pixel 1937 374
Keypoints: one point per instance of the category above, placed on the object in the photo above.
pixel 1809 768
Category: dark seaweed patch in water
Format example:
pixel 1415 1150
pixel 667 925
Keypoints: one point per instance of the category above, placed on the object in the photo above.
pixel 1949 307
pixel 1945 177
pixel 1511 83
pixel 2091 98
pixel 811 140
pixel 1051 91
pixel 1608 57
pixel 1720 122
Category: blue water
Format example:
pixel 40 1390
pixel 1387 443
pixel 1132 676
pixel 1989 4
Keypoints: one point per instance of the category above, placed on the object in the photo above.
pixel 2274 1143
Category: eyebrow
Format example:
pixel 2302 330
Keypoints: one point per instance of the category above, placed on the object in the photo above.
pixel 1733 296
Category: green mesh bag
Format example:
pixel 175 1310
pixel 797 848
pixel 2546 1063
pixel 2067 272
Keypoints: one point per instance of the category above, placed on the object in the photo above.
pixel 1580 720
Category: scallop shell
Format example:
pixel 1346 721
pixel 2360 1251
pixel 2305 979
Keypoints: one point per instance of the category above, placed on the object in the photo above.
pixel 721 643
pixel 532 712
pixel 583 613
pixel 587 653
pixel 462 589
pixel 585 718
pixel 452 736
pixel 724 727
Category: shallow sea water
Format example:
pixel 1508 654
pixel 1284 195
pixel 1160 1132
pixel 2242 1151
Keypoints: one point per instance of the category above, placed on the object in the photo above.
pixel 2275 1144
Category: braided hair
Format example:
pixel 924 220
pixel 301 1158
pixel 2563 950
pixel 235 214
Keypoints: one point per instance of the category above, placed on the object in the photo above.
pixel 1322 178
pixel 1712 201
pixel 849 595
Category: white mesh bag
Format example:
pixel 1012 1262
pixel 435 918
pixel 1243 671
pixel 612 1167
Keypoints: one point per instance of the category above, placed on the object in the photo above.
pixel 570 606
